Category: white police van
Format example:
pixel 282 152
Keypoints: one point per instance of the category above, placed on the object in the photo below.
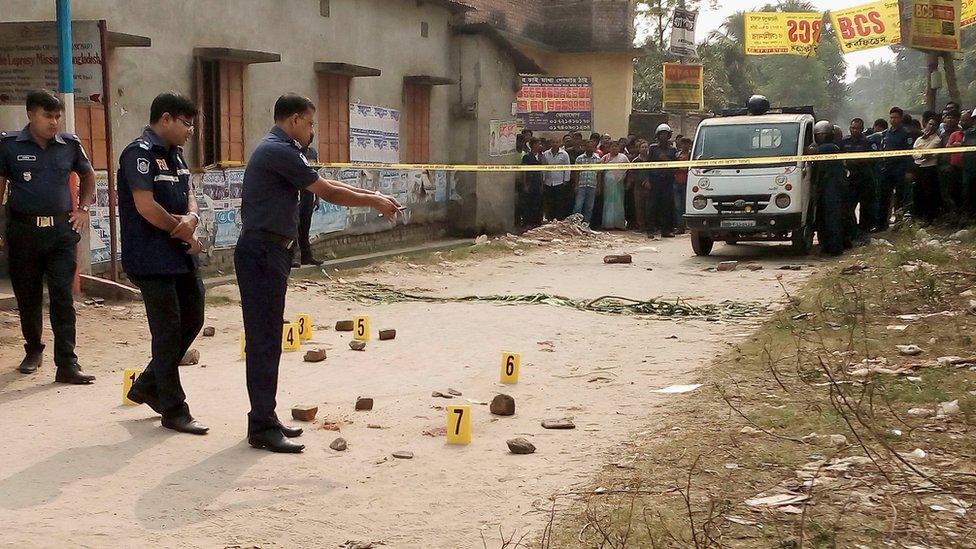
pixel 745 202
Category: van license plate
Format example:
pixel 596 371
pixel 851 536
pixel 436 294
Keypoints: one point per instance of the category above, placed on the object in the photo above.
pixel 738 223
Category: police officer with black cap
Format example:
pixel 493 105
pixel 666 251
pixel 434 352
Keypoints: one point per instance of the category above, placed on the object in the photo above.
pixel 44 228
pixel 276 173
pixel 158 215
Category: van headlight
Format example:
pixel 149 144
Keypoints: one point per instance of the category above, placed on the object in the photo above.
pixel 699 202
pixel 781 180
pixel 783 201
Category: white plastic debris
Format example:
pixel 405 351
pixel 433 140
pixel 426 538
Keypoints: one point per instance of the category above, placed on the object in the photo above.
pixel 677 389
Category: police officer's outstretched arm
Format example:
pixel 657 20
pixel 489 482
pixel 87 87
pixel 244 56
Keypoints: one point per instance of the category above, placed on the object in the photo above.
pixel 339 194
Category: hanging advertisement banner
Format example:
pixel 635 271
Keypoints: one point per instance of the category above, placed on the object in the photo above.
pixel 776 33
pixel 684 87
pixel 683 33
pixel 936 25
pixel 867 26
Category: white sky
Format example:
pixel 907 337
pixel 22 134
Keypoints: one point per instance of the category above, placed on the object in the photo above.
pixel 709 20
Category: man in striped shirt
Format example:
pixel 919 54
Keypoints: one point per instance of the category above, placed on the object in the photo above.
pixel 586 182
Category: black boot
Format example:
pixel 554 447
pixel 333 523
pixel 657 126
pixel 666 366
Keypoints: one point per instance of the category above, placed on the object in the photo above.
pixel 185 424
pixel 31 362
pixel 275 441
pixel 73 375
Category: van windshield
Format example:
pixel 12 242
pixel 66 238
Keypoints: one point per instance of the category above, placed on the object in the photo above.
pixel 747 141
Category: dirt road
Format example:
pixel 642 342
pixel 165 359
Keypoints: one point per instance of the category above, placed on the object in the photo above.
pixel 79 469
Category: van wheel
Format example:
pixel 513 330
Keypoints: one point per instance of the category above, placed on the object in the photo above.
pixel 803 240
pixel 731 241
pixel 701 243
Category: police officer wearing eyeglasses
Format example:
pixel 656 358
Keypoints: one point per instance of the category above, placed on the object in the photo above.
pixel 158 215
pixel 44 229
pixel 276 172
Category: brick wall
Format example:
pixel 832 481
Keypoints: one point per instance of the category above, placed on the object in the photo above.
pixel 570 24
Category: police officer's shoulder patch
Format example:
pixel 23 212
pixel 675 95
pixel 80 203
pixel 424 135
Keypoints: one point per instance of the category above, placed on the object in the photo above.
pixel 142 165
pixel 71 137
pixel 9 135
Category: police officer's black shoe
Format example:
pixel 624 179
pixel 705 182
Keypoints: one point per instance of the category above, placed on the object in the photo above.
pixel 295 265
pixel 291 432
pixel 31 362
pixel 142 397
pixel 185 424
pixel 311 261
pixel 274 440
pixel 73 375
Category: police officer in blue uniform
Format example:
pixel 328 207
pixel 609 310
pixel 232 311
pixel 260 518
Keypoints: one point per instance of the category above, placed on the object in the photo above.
pixel 158 215
pixel 276 172
pixel 861 183
pixel 893 170
pixel 44 229
pixel 828 178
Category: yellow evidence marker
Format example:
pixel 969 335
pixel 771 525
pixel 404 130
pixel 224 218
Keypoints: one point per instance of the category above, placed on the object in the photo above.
pixel 304 323
pixel 128 378
pixel 243 346
pixel 459 425
pixel 510 368
pixel 289 337
pixel 360 328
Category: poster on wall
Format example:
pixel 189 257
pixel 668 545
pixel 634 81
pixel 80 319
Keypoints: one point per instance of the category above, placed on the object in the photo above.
pixel 936 25
pixel 29 60
pixel 374 134
pixel 502 137
pixel 555 103
pixel 100 238
pixel 684 87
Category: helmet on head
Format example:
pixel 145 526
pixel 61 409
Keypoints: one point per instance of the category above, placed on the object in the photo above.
pixel 823 132
pixel 824 127
pixel 758 104
pixel 663 128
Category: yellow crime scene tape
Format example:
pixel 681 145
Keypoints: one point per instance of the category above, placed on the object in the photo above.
pixel 711 163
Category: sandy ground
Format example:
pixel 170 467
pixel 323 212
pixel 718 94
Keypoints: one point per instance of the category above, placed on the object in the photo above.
pixel 79 469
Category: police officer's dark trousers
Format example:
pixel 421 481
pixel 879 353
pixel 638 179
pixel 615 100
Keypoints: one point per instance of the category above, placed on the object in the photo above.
pixel 262 263
pixel 863 191
pixel 303 245
pixel 174 309
pixel 36 253
pixel 660 207
pixel 831 215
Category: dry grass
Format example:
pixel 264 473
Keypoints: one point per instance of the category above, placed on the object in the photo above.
pixel 743 433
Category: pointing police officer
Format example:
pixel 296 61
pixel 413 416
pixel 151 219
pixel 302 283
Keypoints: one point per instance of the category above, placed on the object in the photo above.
pixel 275 174
pixel 44 229
pixel 158 216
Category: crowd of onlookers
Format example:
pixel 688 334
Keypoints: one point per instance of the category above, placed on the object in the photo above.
pixel 651 201
pixel 867 193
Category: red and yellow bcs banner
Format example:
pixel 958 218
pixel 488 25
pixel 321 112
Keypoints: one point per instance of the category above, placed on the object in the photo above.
pixel 867 26
pixel 776 33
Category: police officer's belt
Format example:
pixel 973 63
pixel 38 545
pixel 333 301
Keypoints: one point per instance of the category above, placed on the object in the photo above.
pixel 39 220
pixel 259 234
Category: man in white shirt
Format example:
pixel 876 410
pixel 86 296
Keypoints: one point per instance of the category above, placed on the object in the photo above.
pixel 555 190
